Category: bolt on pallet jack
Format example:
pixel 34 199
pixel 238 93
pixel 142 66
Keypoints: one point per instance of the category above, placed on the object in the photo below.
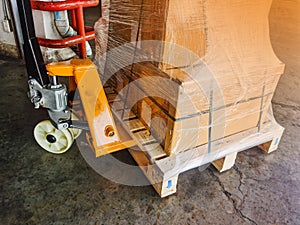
pixel 57 134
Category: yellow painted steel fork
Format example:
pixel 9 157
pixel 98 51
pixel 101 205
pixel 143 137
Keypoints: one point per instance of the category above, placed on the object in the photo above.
pixel 104 136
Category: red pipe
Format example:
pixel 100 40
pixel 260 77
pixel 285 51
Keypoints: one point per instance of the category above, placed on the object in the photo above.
pixel 81 31
pixel 73 19
pixel 65 5
pixel 66 42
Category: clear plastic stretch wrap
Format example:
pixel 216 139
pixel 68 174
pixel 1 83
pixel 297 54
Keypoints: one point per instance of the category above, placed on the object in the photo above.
pixel 193 72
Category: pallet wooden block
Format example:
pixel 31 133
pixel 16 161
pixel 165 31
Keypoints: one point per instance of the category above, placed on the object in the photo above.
pixel 225 163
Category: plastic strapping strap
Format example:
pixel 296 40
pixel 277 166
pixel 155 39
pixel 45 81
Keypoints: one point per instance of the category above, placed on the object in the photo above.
pixel 210 122
pixel 261 107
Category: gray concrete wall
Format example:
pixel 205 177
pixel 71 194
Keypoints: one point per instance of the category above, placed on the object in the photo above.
pixel 285 37
pixel 7 40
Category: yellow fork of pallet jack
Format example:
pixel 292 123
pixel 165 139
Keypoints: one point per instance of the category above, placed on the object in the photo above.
pixel 105 137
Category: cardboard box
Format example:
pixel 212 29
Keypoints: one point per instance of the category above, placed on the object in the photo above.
pixel 210 73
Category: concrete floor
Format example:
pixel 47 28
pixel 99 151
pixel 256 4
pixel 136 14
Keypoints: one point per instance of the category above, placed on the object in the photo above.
pixel 41 188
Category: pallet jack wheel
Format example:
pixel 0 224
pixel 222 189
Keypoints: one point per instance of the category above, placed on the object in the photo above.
pixel 51 139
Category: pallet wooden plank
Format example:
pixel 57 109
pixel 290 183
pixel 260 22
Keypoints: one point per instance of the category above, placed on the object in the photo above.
pixel 136 125
pixel 144 138
pixel 155 151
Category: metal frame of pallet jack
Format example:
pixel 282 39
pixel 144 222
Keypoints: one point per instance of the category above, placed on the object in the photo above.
pixel 43 91
pixel 103 134
pixel 33 56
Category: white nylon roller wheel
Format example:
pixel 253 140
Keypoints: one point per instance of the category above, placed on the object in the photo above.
pixel 76 132
pixel 51 139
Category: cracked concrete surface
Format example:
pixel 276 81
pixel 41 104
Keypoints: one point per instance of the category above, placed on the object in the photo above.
pixel 41 188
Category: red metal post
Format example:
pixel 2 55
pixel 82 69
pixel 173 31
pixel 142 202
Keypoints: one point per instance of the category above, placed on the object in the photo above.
pixel 73 19
pixel 81 31
pixel 66 42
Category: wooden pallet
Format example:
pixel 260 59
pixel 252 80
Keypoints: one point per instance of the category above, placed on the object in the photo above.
pixel 163 170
